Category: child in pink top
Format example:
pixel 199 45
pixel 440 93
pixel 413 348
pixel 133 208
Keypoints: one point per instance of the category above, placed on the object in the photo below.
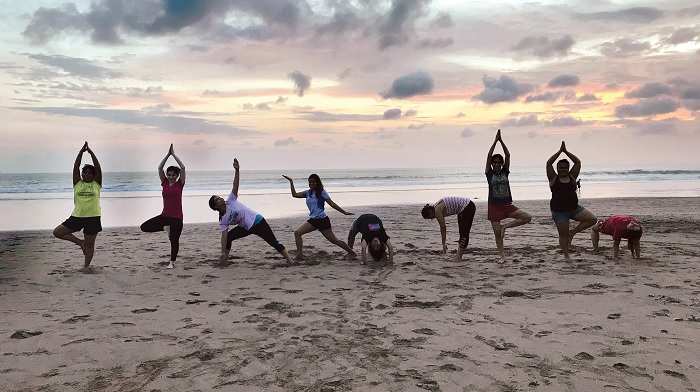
pixel 619 227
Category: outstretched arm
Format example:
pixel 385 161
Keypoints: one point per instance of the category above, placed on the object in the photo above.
pixel 576 169
pixel 550 169
pixel 490 154
pixel 98 168
pixel 236 177
pixel 76 165
pixel 337 207
pixel 183 173
pixel 161 173
pixel 291 186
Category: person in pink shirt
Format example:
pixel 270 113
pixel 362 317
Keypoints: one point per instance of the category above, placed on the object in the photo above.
pixel 619 227
pixel 173 181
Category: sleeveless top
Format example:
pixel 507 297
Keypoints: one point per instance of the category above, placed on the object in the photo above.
pixel 86 199
pixel 454 204
pixel 499 187
pixel 564 196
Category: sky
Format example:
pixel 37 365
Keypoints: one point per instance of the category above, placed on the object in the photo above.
pixel 323 84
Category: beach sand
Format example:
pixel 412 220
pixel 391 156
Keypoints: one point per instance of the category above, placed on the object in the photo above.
pixel 536 323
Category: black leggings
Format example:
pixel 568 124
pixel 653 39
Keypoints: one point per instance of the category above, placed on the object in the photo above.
pixel 157 223
pixel 261 229
pixel 464 220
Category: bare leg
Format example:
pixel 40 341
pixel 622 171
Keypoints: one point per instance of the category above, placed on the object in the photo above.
pixel 563 229
pixel 89 249
pixel 66 234
pixel 306 227
pixel 328 233
pixel 498 232
pixel 520 218
pixel 586 219
pixel 595 236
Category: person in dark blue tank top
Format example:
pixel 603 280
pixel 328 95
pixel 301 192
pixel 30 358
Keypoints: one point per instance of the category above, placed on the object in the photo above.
pixel 564 202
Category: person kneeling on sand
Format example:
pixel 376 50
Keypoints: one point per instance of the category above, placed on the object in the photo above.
pixel 452 205
pixel 619 227
pixel 247 221
pixel 374 237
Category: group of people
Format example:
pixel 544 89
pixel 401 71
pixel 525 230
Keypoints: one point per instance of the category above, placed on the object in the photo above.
pixel 564 205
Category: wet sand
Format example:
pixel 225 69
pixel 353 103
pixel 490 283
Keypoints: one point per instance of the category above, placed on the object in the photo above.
pixel 536 323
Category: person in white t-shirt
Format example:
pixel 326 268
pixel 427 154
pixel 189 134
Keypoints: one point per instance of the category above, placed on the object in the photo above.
pixel 464 208
pixel 246 221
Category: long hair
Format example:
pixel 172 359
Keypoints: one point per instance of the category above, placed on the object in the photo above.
pixel 377 254
pixel 319 188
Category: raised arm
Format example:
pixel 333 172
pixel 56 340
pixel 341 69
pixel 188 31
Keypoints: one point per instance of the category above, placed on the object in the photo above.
pixel 296 194
pixel 76 165
pixel 551 173
pixel 236 177
pixel 161 173
pixel 337 207
pixel 96 163
pixel 490 154
pixel 576 169
pixel 183 173
pixel 506 153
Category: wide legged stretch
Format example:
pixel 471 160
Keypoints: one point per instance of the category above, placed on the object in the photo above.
pixel 261 229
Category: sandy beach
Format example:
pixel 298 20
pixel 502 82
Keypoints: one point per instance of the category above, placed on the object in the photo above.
pixel 535 323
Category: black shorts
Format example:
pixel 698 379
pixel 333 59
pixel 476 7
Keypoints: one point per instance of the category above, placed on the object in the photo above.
pixel 320 223
pixel 90 225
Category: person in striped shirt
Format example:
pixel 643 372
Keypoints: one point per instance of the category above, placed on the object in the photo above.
pixel 464 208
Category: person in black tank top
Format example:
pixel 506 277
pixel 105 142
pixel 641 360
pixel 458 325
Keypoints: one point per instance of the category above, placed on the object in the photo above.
pixel 564 202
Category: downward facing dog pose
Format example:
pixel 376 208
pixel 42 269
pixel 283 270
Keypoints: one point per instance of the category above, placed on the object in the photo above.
pixel 452 205
pixel 619 227
pixel 316 197
pixel 500 204
pixel 247 221
pixel 564 202
pixel 374 237
pixel 87 184
pixel 172 181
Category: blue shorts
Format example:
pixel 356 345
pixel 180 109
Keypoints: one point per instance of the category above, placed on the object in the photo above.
pixel 566 216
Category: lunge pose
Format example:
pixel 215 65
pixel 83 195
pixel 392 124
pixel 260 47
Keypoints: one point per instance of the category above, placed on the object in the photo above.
pixel 374 237
pixel 500 204
pixel 619 227
pixel 316 198
pixel 246 221
pixel 452 205
pixel 87 184
pixel 564 202
pixel 172 181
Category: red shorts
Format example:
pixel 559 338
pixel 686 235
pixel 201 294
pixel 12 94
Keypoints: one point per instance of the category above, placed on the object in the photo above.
pixel 498 212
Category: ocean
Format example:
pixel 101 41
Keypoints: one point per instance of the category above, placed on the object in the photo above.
pixel 30 201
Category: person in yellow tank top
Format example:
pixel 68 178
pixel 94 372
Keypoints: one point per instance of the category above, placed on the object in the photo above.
pixel 87 184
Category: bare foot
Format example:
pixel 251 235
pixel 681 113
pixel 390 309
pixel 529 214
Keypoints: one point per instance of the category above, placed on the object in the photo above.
pixel 501 259
pixel 87 270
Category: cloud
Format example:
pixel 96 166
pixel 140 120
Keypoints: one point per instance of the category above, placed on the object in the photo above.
pixel 647 107
pixel 396 26
pixel 467 132
pixel 663 127
pixel 434 43
pixel 588 98
pixel 280 100
pixel 107 20
pixel 564 121
pixel 442 21
pixel 564 80
pixel 628 15
pixel 392 114
pixel 417 83
pixel 523 121
pixel 683 35
pixel 342 22
pixel 320 116
pixel 285 142
pixel 75 66
pixel 410 113
pixel 549 96
pixel 152 121
pixel 301 82
pixel 344 73
pixel 460 115
pixel 624 47
pixel 544 47
pixel 691 93
pixel 649 90
pixel 503 89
